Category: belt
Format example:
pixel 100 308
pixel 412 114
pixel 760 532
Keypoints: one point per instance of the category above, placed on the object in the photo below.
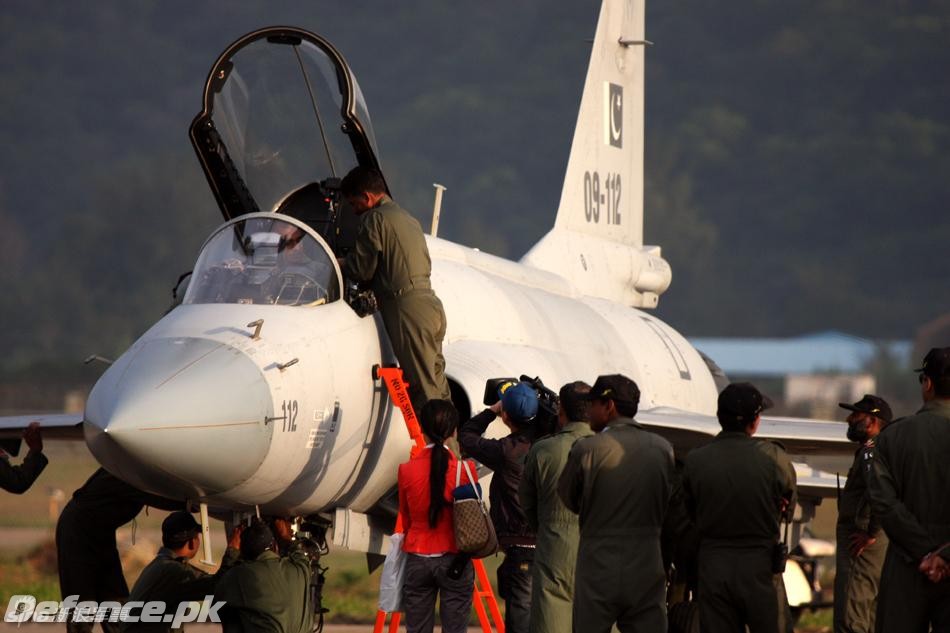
pixel 415 284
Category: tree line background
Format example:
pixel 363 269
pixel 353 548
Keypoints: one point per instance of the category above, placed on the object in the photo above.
pixel 797 154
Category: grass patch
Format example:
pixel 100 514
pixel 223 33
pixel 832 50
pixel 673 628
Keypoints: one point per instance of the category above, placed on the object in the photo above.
pixel 816 621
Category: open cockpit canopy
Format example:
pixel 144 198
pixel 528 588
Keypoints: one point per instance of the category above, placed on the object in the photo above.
pixel 283 120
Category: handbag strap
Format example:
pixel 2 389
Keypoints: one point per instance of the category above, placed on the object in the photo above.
pixel 459 463
pixel 471 480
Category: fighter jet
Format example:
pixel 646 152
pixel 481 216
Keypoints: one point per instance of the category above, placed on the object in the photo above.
pixel 257 392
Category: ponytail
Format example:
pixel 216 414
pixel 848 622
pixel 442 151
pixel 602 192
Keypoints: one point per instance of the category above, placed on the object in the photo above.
pixel 439 420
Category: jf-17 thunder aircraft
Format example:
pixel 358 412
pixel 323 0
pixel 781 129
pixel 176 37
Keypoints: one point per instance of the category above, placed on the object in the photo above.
pixel 257 393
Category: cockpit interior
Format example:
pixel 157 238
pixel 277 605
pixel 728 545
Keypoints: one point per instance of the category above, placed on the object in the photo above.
pixel 261 259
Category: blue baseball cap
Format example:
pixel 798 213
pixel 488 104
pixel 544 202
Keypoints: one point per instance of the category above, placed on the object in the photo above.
pixel 520 402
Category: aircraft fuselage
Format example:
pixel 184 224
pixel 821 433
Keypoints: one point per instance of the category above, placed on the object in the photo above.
pixel 292 421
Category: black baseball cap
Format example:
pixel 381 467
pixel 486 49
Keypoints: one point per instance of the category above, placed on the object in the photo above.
pixel 872 405
pixel 742 401
pixel 616 387
pixel 180 527
pixel 936 363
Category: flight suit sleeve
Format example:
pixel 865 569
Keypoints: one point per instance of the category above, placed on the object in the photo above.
pixel 191 584
pixel 18 479
pixel 789 483
pixel 230 590
pixel 874 523
pixel 298 557
pixel 528 488
pixel 299 601
pixel 901 526
pixel 195 584
pixel 686 489
pixel 785 478
pixel 486 451
pixel 360 264
pixel 677 521
pixel 231 556
pixel 570 485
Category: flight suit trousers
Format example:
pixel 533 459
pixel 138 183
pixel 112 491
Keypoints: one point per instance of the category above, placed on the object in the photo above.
pixel 737 589
pixel 857 581
pixel 89 567
pixel 415 322
pixel 552 581
pixel 620 580
pixel 908 602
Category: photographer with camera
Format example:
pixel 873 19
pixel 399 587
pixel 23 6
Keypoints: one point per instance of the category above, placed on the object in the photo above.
pixel 518 408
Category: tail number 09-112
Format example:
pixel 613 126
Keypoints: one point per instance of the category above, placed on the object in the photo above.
pixel 602 198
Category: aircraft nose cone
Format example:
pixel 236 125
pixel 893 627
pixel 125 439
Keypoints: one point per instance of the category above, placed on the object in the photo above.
pixel 181 417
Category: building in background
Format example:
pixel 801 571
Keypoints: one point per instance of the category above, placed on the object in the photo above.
pixel 807 375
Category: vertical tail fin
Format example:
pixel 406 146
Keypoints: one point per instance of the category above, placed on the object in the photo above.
pixel 601 208
pixel 603 186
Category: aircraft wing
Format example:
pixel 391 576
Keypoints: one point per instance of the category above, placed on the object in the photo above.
pixel 687 430
pixel 817 483
pixel 55 426
pixel 819 448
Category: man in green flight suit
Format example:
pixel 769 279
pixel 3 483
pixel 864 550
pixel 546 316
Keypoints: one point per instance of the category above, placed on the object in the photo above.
pixel 169 578
pixel 737 490
pixel 391 253
pixel 861 542
pixel 266 593
pixel 908 490
pixel 619 481
pixel 18 479
pixel 557 528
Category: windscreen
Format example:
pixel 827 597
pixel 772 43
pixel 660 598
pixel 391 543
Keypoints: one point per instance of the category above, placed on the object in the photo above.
pixel 279 114
pixel 264 261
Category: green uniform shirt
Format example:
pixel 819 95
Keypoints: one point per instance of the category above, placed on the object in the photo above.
pixel 734 488
pixel 173 581
pixel 390 251
pixel 543 507
pixel 857 579
pixel 854 503
pixel 909 480
pixel 619 481
pixel 557 528
pixel 18 479
pixel 270 594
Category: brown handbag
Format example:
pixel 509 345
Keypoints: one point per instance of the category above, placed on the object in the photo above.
pixel 474 532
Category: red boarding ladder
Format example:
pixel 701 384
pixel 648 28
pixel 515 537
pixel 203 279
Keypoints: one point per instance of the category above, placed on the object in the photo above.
pixel 483 595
